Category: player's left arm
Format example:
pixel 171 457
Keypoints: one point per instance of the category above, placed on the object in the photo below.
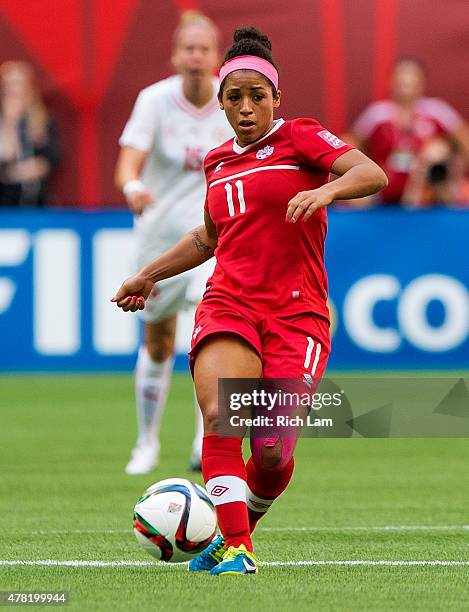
pixel 358 177
pixel 192 250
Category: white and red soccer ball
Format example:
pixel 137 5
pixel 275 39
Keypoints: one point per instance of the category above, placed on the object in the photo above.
pixel 174 520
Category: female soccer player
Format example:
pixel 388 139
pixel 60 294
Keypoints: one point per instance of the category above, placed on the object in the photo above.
pixel 174 123
pixel 264 312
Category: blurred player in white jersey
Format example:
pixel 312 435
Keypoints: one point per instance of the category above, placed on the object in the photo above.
pixel 174 123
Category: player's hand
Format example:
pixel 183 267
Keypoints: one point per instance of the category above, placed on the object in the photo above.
pixel 306 203
pixel 139 200
pixel 133 292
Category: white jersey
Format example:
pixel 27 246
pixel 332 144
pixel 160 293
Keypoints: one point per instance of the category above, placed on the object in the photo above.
pixel 177 136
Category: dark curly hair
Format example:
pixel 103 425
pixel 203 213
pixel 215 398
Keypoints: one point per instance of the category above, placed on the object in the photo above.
pixel 249 41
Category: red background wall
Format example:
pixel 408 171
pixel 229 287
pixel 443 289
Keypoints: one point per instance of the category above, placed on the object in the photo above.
pixel 93 56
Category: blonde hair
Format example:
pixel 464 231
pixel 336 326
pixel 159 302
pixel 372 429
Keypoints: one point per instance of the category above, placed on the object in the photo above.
pixel 37 117
pixel 193 17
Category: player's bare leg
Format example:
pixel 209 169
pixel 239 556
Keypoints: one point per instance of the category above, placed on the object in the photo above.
pixel 271 465
pixel 221 356
pixel 152 380
pixel 225 356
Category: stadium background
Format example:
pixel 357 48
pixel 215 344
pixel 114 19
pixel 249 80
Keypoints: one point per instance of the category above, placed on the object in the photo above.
pixel 94 56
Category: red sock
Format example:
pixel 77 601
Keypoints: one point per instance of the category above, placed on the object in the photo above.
pixel 224 473
pixel 264 486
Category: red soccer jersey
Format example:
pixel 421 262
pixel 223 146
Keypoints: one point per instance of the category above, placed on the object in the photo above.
pixel 262 261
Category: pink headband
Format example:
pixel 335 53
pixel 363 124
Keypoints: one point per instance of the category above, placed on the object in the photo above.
pixel 250 62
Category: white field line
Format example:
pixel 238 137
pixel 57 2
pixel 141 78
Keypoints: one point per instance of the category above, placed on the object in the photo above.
pixel 385 563
pixel 373 528
pixel 360 528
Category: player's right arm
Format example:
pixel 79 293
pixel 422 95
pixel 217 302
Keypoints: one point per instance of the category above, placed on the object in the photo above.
pixel 137 140
pixel 191 251
pixel 127 178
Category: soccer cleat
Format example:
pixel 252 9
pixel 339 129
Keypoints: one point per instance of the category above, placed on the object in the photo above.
pixel 143 459
pixel 236 561
pixel 210 557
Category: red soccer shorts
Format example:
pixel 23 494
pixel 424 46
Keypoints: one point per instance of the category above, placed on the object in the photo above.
pixel 292 346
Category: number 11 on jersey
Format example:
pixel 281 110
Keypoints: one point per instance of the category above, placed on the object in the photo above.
pixel 229 198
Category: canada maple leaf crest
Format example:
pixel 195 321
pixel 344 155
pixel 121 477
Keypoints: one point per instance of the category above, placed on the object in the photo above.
pixel 265 152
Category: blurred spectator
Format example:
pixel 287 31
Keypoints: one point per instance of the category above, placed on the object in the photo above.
pixel 393 132
pixel 28 142
pixel 437 178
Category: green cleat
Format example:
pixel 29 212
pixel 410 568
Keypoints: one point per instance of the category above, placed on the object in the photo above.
pixel 236 561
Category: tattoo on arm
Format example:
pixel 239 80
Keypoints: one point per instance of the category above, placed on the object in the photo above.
pixel 201 246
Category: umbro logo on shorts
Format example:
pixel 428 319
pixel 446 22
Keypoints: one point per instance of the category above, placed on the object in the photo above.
pixel 218 490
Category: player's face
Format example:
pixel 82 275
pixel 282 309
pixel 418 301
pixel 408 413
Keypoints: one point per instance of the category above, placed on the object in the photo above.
pixel 196 52
pixel 408 81
pixel 249 104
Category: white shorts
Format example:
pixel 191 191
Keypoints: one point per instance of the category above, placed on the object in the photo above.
pixel 175 294
pixel 153 237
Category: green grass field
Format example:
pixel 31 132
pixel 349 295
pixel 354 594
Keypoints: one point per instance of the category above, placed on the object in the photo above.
pixel 64 497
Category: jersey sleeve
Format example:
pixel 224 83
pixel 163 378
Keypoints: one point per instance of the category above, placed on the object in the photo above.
pixel 315 146
pixel 141 128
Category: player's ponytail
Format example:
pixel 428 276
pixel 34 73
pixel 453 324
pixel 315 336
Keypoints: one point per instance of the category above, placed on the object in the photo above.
pixel 249 41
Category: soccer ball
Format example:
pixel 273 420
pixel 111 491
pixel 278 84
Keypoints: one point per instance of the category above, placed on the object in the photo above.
pixel 174 520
